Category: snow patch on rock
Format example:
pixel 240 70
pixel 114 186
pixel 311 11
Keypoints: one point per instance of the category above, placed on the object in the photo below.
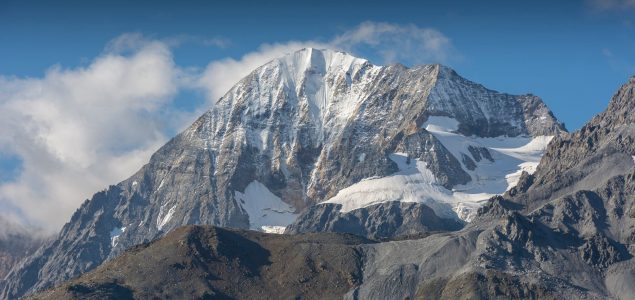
pixel 439 123
pixel 163 219
pixel 161 184
pixel 114 235
pixel 413 183
pixel 267 212
pixel 273 229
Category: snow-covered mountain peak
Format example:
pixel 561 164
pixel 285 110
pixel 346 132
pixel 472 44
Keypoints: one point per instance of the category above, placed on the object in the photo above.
pixel 310 90
pixel 314 61
pixel 301 114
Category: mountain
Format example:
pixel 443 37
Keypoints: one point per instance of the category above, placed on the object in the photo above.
pixel 566 231
pixel 420 146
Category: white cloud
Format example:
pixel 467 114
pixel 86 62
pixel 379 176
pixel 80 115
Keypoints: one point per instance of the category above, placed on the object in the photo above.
pixel 78 130
pixel 397 43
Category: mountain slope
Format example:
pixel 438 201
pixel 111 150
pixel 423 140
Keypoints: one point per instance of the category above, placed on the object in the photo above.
pixel 564 232
pixel 215 263
pixel 296 132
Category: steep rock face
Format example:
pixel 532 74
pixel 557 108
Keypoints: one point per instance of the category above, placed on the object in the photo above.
pixel 600 150
pixel 294 133
pixel 487 113
pixel 583 191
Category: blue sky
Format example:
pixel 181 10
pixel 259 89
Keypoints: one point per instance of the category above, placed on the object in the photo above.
pixel 573 54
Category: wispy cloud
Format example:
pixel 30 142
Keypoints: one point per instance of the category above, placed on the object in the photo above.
pixel 10 226
pixel 178 40
pixel 618 63
pixel 133 40
pixel 397 43
pixel 611 5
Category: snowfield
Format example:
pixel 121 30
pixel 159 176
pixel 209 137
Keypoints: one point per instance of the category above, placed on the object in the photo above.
pixel 415 182
pixel 267 212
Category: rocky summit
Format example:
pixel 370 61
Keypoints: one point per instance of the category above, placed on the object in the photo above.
pixel 567 231
pixel 320 140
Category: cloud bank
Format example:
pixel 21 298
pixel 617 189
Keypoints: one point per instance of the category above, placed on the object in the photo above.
pixel 78 130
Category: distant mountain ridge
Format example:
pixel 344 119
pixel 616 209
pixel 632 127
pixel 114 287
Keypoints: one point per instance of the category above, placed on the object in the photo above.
pixel 303 129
